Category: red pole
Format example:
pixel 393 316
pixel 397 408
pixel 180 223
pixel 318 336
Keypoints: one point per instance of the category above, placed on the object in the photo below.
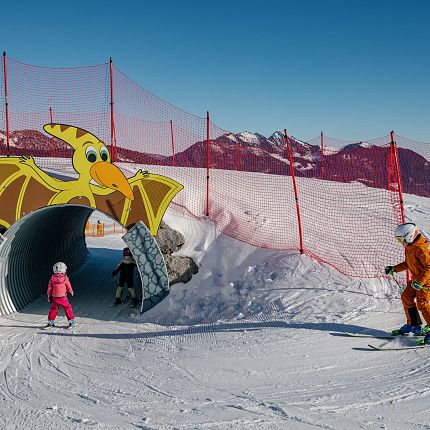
pixel 237 156
pixel 6 102
pixel 225 152
pixel 390 164
pixel 399 181
pixel 322 155
pixel 173 143
pixel 51 122
pixel 208 152
pixel 399 185
pixel 295 190
pixel 112 117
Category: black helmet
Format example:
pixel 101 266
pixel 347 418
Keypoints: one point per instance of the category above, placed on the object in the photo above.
pixel 126 252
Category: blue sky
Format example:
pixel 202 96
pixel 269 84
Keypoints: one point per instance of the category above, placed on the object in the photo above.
pixel 354 69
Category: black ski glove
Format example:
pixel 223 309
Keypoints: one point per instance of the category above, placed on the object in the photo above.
pixel 389 270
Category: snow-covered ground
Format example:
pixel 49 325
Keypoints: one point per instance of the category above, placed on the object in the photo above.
pixel 251 342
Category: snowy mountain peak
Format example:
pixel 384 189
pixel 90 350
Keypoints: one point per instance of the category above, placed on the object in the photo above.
pixel 250 138
pixel 232 137
pixel 366 145
pixel 354 146
pixel 278 134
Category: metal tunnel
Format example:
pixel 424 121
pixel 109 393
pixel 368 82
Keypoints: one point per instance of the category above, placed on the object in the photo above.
pixel 32 245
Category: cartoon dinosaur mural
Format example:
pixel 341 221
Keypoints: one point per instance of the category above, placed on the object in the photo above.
pixel 25 187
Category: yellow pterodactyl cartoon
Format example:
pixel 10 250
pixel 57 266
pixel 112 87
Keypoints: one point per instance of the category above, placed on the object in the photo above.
pixel 100 184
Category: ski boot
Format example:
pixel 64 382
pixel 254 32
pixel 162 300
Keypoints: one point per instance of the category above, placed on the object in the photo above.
pixel 72 323
pixel 414 330
pixel 134 302
pixel 425 341
pixel 51 324
pixel 118 301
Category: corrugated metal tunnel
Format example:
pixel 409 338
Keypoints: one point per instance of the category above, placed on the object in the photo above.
pixel 33 244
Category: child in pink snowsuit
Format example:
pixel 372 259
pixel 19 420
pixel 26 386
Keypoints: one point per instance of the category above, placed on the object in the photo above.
pixel 58 287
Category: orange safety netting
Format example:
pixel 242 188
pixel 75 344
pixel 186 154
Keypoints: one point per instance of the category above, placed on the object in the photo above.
pixel 348 193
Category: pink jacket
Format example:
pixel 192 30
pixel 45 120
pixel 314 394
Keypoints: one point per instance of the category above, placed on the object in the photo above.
pixel 59 285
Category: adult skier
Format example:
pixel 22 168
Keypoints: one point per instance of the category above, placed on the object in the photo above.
pixel 126 274
pixel 416 295
pixel 58 287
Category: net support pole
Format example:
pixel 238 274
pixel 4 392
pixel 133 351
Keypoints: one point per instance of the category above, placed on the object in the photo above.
pixel 237 158
pixel 399 185
pixel 6 102
pixel 322 155
pixel 173 144
pixel 112 116
pixel 208 161
pixel 398 178
pixel 299 221
pixel 51 121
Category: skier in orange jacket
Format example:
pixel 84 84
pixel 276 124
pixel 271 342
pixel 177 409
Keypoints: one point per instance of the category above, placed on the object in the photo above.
pixel 416 295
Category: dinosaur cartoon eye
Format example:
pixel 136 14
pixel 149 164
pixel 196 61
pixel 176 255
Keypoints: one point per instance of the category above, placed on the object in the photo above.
pixel 104 153
pixel 91 154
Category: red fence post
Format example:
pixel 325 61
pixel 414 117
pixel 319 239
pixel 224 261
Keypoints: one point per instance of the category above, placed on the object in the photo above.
pixel 6 102
pixel 173 144
pixel 52 138
pixel 393 146
pixel 322 155
pixel 208 162
pixel 399 181
pixel 287 142
pixel 112 117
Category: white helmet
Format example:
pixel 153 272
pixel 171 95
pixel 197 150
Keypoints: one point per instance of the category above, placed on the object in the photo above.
pixel 406 232
pixel 60 268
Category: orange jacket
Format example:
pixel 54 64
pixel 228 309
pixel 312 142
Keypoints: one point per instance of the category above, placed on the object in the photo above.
pixel 417 260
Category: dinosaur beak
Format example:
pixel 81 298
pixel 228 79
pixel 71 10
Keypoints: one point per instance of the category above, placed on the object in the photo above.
pixel 110 176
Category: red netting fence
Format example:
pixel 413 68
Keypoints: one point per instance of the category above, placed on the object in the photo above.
pixel 348 196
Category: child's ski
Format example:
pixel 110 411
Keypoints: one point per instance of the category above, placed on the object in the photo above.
pixel 398 348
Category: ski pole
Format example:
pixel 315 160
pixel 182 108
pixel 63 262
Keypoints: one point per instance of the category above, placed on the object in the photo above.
pixel 400 287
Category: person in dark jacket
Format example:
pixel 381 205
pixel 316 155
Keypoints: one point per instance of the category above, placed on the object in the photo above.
pixel 126 274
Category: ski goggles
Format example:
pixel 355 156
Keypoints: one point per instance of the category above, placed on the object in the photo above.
pixel 399 239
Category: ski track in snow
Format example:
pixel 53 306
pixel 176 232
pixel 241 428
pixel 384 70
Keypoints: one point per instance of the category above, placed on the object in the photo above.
pixel 256 346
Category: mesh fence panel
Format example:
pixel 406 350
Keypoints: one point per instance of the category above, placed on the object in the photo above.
pixel 77 96
pixel 348 193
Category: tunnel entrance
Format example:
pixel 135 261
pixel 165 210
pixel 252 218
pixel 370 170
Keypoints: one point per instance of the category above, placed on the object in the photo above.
pixel 57 233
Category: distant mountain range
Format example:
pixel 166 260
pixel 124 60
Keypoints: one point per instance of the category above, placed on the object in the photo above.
pixel 252 152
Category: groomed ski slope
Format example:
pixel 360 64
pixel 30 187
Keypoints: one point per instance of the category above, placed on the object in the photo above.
pixel 251 342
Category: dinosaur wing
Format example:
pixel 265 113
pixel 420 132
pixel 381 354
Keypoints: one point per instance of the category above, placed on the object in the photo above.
pixel 152 196
pixel 21 190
